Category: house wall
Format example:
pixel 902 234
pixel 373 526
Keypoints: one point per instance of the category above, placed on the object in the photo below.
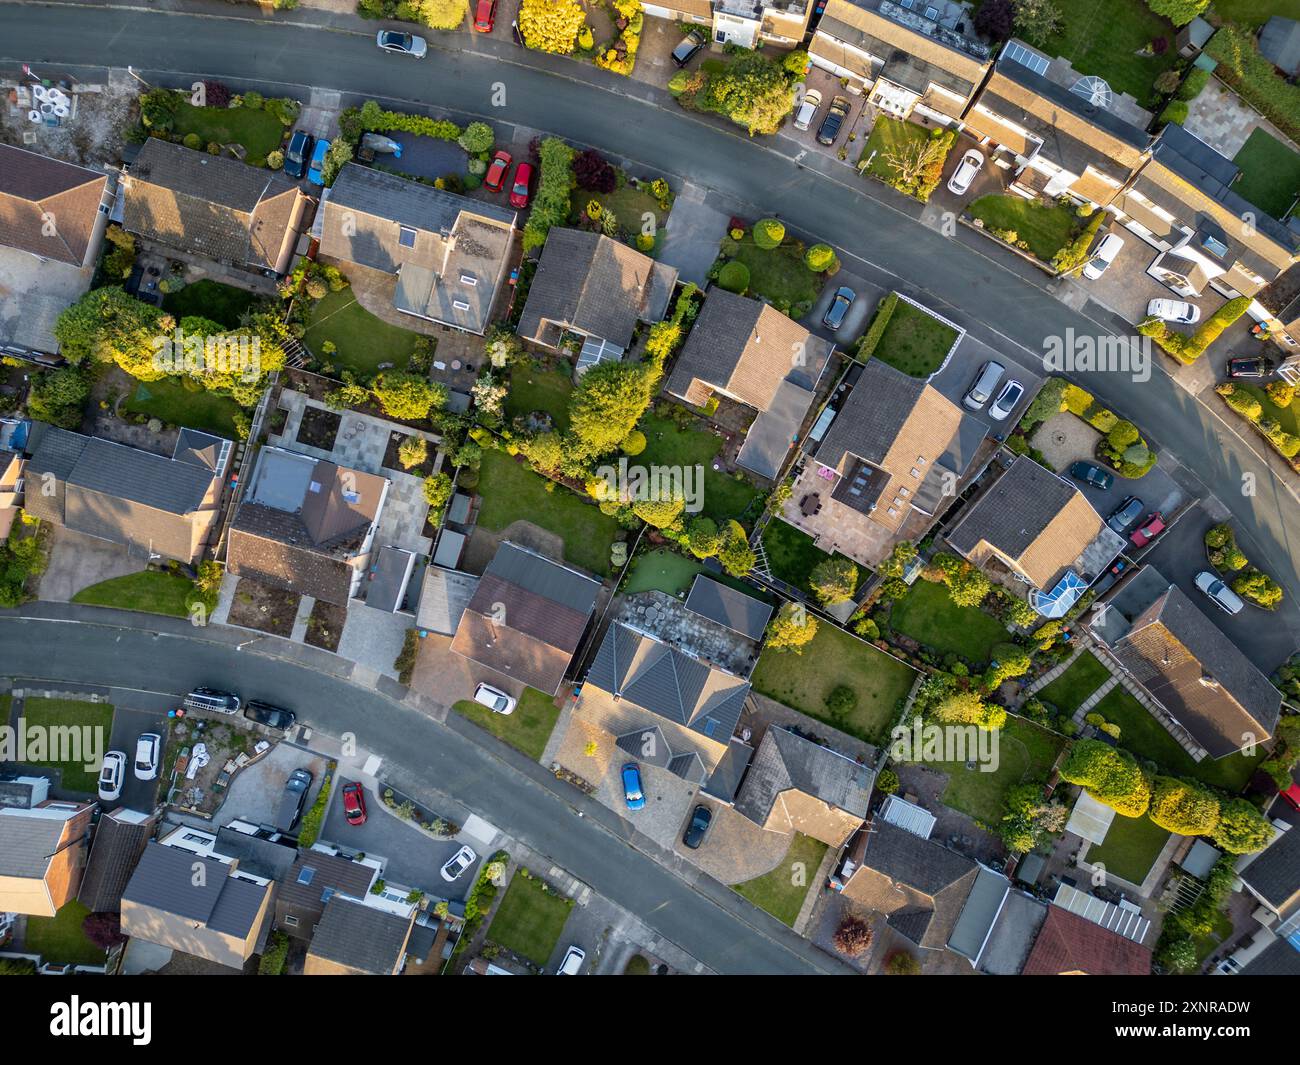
pixel 183 934
pixel 27 895
pixel 68 866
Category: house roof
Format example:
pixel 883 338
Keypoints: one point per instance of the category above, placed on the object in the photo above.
pixel 28 840
pixel 197 448
pixel 261 857
pixel 1274 873
pixel 1279 958
pixel 35 189
pixel 1068 943
pixel 1040 521
pixel 164 880
pixel 443 599
pixel 1199 675
pixel 312 880
pixel 212 206
pixel 737 611
pixel 120 839
pixel 597 285
pixel 1279 43
pixel 360 937
pixel 388 578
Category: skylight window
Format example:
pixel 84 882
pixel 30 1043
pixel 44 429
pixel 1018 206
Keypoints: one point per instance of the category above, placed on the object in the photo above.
pixel 406 236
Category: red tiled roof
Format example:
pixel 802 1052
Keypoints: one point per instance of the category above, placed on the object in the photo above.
pixel 1072 945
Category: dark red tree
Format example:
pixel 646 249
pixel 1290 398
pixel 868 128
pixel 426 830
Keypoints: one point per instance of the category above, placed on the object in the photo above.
pixel 103 929
pixel 594 172
pixel 995 19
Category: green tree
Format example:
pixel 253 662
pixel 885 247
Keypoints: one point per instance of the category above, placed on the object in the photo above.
pixel 834 580
pixel 1112 776
pixel 1179 12
pixel 608 403
pixel 1183 806
pixel 792 628
pixel 659 512
pixel 56 396
pixel 702 537
pixel 1242 828
pixel 734 553
pixel 968 708
pixel 412 451
pixel 478 137
pixel 437 490
pixel 407 396
pixel 768 233
pixel 107 325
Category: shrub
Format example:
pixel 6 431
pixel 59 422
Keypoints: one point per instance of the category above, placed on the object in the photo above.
pixel 1194 84
pixel 1218 536
pixel 834 581
pixel 1112 776
pixel 1103 420
pixel 1242 828
pixel 1254 77
pixel 477 138
pixel 792 628
pixel 412 451
pixel 871 338
pixel 1073 256
pixel 1175 111
pixel 702 537
pixel 887 782
pixel 1259 588
pixel 821 259
pixel 1184 807
pixel 633 443
pixel 1241 401
pixel 275 160
pixel 841 701
pixel 734 277
pixel 594 172
pixel 1166 81
pixel 193 141
pixel 407 396
pixel 551 203
pixel 853 936
pixel 901 963
pixel 551 25
pixel 768 233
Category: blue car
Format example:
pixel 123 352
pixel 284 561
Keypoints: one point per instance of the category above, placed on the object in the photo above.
pixel 317 162
pixel 632 787
pixel 295 156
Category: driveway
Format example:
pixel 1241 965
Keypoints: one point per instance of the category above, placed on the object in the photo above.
pixel 695 230
pixel 867 295
pixel 128 726
pixel 955 379
pixel 255 792
pixel 77 561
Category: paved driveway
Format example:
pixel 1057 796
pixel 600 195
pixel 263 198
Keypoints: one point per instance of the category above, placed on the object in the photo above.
pixel 255 792
pixel 128 726
pixel 867 295
pixel 77 561
pixel 955 379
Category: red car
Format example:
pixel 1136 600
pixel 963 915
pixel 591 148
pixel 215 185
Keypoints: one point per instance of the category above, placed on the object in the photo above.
pixel 495 178
pixel 519 187
pixel 1148 530
pixel 485 15
pixel 1291 796
pixel 354 804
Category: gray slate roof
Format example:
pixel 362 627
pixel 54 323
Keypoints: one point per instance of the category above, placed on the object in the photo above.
pixel 164 880
pixel 1278 959
pixel 120 839
pixel 443 599
pixel 27 843
pixel 1279 43
pixel 361 937
pixel 310 882
pixel 1274 874
pixel 737 611
pixel 786 762
pixel 1016 511
pixel 261 857
pixel 34 189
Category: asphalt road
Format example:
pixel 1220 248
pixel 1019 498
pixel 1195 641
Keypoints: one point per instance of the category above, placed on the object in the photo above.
pixel 710 922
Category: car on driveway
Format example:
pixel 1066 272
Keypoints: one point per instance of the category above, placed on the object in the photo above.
pixel 807 109
pixel 1125 514
pixel 834 120
pixel 1152 526
pixel 1224 597
pixel 315 171
pixel 1250 366
pixel 572 963
pixel 840 304
pixel 701 818
pixel 985 382
pixel 275 717
pixel 148 748
pixel 1174 311
pixel 111 774
pixel 485 15
pixel 494 699
pixel 1012 393
pixel 632 793
pixel 402 43
pixel 458 863
pixel 520 187
pixel 354 803
pixel 1107 252
pixel 292 800
pixel 495 178
pixel 297 154
pixel 1092 475
pixel 687 48
pixel 1291 796
pixel 967 171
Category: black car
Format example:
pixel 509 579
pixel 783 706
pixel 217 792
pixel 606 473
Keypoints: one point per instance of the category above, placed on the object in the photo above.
pixel 272 716
pixel 292 800
pixel 1125 514
pixel 1250 366
pixel 701 818
pixel 688 48
pixel 834 120
pixel 834 316
pixel 297 154
pixel 1091 475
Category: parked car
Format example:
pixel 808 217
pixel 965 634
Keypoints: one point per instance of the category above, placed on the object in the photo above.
pixel 297 154
pixel 1092 475
pixel 402 43
pixel 835 116
pixel 840 304
pixel 111 775
pixel 1291 796
pixel 1125 514
pixel 276 717
pixel 688 48
pixel 458 863
pixel 1174 311
pixel 632 792
pixel 213 700
pixel 495 178
pixel 1250 366
pixel 1152 526
pixel 316 169
pixel 377 142
pixel 985 382
pixel 148 748
pixel 292 800
pixel 520 187
pixel 485 15
pixel 1224 597
pixel 807 109
pixel 1106 253
pixel 573 959
pixel 1012 393
pixel 494 699
pixel 354 803
pixel 967 170
pixel 701 818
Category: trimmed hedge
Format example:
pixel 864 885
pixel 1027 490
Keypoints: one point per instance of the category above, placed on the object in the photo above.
pixel 1255 78
pixel 871 339
pixel 1187 349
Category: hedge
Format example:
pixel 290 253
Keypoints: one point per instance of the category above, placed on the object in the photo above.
pixel 1249 407
pixel 871 339
pixel 1187 349
pixel 1255 78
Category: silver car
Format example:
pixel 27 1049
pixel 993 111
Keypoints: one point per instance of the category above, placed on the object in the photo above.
pixel 402 43
pixel 807 109
pixel 1224 597
pixel 1012 393
pixel 1174 311
pixel 985 382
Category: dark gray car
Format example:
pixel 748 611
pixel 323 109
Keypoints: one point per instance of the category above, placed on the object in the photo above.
pixel 293 800
pixel 835 116
pixel 834 316
pixel 1125 514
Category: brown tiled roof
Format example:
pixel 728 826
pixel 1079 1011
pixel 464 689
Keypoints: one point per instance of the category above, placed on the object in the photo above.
pixel 314 877
pixel 118 843
pixel 1068 944
pixel 35 191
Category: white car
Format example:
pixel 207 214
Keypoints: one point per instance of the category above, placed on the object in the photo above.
pixel 967 170
pixel 1174 311
pixel 402 43
pixel 807 109
pixel 573 959
pixel 111 774
pixel 147 749
pixel 495 700
pixel 1106 253
pixel 1224 597
pixel 458 863
pixel 1012 393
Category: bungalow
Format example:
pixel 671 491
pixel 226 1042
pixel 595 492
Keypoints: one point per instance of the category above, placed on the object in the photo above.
pixel 42 855
pixel 753 354
pixel 916 58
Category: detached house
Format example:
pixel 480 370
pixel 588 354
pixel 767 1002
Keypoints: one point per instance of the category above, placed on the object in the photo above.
pixel 753 354
pixel 918 58
pixel 1036 530
pixel 212 207
pixel 597 289
pixel 43 849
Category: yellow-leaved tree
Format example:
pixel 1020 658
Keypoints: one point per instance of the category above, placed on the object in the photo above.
pixel 551 25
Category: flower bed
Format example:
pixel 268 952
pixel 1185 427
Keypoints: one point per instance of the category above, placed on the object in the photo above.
pixel 1252 584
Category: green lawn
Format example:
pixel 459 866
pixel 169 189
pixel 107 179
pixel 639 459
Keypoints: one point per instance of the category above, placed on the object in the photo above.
pixel 71 714
pixel 512 492
pixel 915 342
pixel 60 938
pixel 223 304
pixel 722 496
pixel 1270 174
pixel 1024 751
pixel 662 570
pixel 530 919
pixel 1131 848
pixel 170 402
pixel 1047 227
pixel 1101 37
pixel 1147 738
pixel 363 341
pixel 835 658
pixel 1287 417
pixel 630 206
pixel 778 274
pixel 546 390
pixel 889 136
pixel 1085 675
pixel 260 132
pixel 791 553
pixel 782 891
pixel 526 730
pixel 1256 12
pixel 928 615
pixel 151 591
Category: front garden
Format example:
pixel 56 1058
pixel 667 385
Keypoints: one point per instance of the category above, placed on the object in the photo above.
pixel 218 120
pixel 526 729
pixel 782 891
pixel 760 261
pixel 150 591
pixel 48 714
pixel 748 88
pixel 907 337
pixel 906 156
pixel 1121 447
pixel 1231 563
pixel 530 918
pixel 1273 412
pixel 1041 228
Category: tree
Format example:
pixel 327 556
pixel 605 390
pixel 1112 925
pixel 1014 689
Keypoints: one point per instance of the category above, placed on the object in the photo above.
pixel 1112 776
pixel 834 581
pixel 556 182
pixel 407 396
pixel 768 233
pixel 103 929
pixel 56 396
pixel 1242 828
pixel 608 403
pixel 594 172
pixel 412 451
pixel 1179 12
pixel 633 444
pixel 437 490
pixel 734 277
pixel 551 25
pixel 659 512
pixel 792 628
pixel 821 259
pixel 702 537
pixel 913 158
pixel 968 708
pixel 1037 20
pixel 853 936
pixel 489 395
pixel 477 138
pixel 995 20
pixel 108 325
pixel 545 451
pixel 1183 806
pixel 901 963
pixel 340 152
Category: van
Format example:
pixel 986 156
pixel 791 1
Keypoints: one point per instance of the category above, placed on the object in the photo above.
pixel 985 382
pixel 212 700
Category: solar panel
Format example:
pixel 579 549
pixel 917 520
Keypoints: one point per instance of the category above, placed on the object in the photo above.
pixel 1018 53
